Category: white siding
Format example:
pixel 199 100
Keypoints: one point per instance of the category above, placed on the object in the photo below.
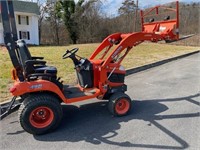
pixel 34 35
pixel 1 34
pixel 32 28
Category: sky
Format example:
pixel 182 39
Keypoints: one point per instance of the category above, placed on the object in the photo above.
pixel 110 7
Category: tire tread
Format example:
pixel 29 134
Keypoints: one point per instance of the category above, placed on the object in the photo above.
pixel 36 99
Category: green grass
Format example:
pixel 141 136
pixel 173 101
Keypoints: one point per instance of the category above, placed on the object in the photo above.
pixel 143 54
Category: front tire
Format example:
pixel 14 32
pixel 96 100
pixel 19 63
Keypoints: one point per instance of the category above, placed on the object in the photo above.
pixel 40 113
pixel 119 104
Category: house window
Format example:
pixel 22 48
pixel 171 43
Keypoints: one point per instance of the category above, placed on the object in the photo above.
pixel 24 35
pixel 24 20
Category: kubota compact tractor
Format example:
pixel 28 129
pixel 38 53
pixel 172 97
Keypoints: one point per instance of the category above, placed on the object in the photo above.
pixel 100 76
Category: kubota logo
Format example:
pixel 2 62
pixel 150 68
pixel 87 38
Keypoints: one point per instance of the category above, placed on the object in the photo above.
pixel 37 86
pixel 116 52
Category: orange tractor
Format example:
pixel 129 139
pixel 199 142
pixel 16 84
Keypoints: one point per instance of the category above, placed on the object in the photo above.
pixel 100 76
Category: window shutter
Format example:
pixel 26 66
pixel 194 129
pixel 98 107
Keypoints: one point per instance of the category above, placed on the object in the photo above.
pixel 28 33
pixel 20 34
pixel 19 19
pixel 27 20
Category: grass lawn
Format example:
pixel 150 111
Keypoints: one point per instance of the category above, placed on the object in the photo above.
pixel 143 54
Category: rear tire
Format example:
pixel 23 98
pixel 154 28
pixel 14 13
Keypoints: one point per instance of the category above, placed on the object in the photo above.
pixel 40 113
pixel 119 104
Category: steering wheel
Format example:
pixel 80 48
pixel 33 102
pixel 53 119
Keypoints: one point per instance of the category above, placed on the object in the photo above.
pixel 69 53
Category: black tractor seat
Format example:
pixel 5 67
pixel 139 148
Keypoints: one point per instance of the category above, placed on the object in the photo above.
pixel 33 65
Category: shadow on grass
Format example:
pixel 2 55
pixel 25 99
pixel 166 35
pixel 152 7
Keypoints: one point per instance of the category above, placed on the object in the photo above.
pixel 93 123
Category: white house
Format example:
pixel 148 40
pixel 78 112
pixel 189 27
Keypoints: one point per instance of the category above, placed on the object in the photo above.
pixel 26 17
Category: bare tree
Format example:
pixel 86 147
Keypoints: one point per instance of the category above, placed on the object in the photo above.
pixel 54 16
pixel 127 11
pixel 42 8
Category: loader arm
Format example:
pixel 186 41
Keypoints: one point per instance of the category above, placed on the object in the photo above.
pixel 127 42
pixel 112 51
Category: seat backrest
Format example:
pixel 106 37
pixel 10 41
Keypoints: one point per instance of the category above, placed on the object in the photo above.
pixel 24 49
pixel 23 53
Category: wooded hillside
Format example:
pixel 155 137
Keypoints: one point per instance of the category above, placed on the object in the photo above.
pixel 84 22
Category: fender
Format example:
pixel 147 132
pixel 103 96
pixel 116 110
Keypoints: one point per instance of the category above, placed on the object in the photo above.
pixel 21 88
